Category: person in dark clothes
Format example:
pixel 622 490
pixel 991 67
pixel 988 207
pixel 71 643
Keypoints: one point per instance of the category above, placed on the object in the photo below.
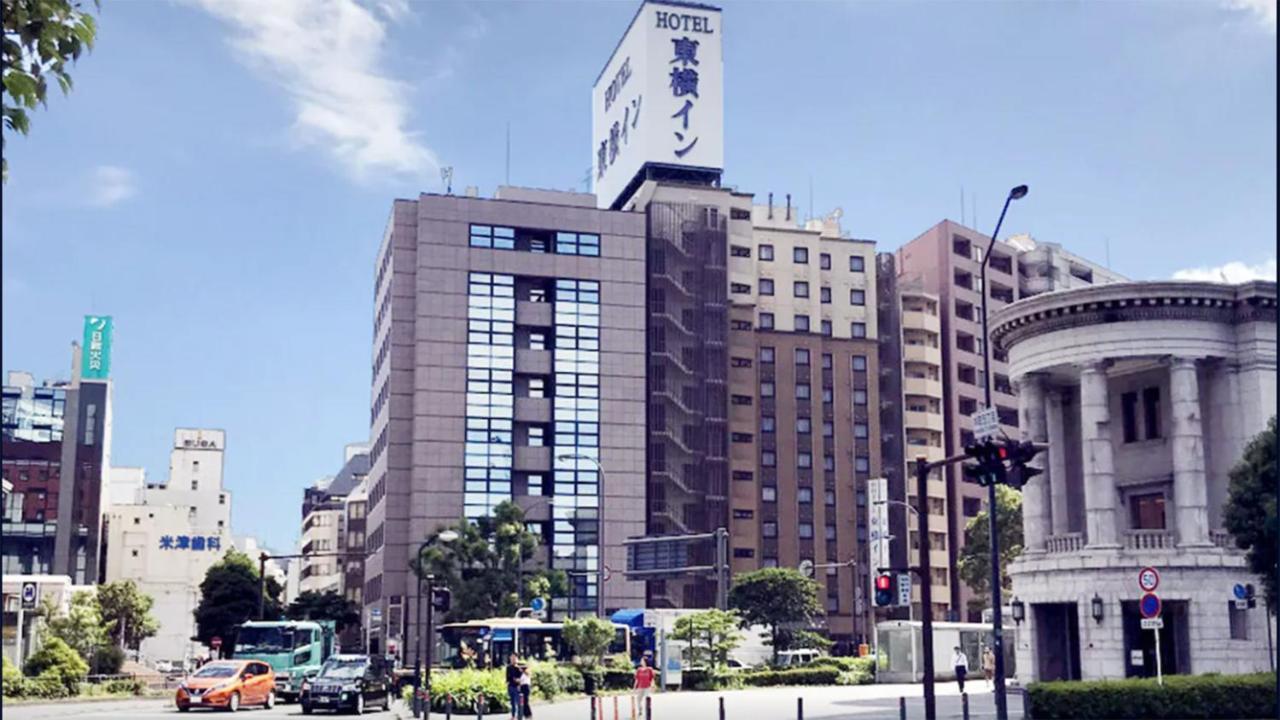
pixel 513 686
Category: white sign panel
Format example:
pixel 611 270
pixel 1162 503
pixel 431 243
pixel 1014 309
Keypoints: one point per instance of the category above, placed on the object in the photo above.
pixel 1154 623
pixel 660 98
pixel 986 424
pixel 904 589
pixel 878 523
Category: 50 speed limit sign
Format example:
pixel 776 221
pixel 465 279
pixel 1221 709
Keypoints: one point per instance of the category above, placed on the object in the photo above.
pixel 1148 579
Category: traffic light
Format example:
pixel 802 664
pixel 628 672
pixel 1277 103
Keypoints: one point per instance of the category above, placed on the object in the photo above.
pixel 988 467
pixel 441 599
pixel 1250 595
pixel 1019 454
pixel 884 590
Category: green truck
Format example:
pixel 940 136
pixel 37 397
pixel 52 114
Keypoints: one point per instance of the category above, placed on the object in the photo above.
pixel 295 650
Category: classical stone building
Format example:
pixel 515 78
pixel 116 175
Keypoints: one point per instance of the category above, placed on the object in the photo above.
pixel 1147 394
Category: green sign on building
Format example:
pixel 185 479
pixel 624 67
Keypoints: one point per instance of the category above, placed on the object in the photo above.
pixel 96 363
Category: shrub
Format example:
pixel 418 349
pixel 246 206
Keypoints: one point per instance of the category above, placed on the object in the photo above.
pixel 467 687
pixel 131 686
pixel 56 659
pixel 796 676
pixel 1183 696
pixel 107 660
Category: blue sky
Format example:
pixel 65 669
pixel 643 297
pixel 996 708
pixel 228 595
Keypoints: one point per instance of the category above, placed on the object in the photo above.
pixel 220 178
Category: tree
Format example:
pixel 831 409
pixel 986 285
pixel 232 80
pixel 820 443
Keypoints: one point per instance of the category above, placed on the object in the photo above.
pixel 40 36
pixel 229 597
pixel 60 660
pixel 802 639
pixel 126 613
pixel 775 597
pixel 484 566
pixel 329 605
pixel 1250 514
pixel 80 627
pixel 589 638
pixel 975 556
pixel 711 635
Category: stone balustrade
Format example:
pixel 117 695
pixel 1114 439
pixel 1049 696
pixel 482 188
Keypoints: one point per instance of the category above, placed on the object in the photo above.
pixel 1065 543
pixel 1223 539
pixel 1148 540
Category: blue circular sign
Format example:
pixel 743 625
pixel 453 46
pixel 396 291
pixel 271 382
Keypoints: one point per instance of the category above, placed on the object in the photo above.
pixel 1239 592
pixel 1149 605
pixel 537 604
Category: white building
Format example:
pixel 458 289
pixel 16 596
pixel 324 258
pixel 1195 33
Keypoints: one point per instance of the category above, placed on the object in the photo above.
pixel 1046 267
pixel 167 541
pixel 1147 394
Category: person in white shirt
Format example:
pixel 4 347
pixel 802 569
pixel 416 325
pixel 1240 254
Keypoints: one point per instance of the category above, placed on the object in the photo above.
pixel 961 664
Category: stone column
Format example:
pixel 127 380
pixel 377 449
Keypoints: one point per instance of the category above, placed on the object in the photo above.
pixel 1186 441
pixel 1036 517
pixel 1099 471
pixel 1057 426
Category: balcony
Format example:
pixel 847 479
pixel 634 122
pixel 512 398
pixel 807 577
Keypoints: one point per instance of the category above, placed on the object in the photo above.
pixel 533 362
pixel 922 420
pixel 532 459
pixel 916 320
pixel 922 386
pixel 1148 540
pixel 922 354
pixel 1065 543
pixel 535 314
pixel 533 410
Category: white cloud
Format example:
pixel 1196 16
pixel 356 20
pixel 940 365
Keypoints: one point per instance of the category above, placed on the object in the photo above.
pixel 326 54
pixel 1232 272
pixel 1263 11
pixel 110 185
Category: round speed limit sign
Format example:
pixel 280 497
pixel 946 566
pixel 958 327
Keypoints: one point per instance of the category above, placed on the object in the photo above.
pixel 1148 579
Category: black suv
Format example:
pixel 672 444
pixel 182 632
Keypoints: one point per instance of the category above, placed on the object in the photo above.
pixel 349 682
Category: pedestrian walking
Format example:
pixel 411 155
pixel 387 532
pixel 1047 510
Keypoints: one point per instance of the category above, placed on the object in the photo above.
pixel 513 686
pixel 961 664
pixel 526 689
pixel 643 686
pixel 988 664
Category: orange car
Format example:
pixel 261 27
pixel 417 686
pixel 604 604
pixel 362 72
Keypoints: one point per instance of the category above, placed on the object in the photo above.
pixel 229 685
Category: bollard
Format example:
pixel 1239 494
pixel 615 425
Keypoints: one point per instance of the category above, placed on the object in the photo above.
pixel 615 708
pixel 799 708
pixel 448 707
pixel 591 701
pixel 633 707
pixel 648 708
pixel 964 705
pixel 721 707
pixel 480 708
pixel 902 708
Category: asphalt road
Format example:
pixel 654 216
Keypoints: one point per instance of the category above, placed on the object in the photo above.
pixel 867 702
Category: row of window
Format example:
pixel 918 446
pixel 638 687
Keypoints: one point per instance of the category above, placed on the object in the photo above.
pixel 804 460
pixel 561 243
pixel 800 256
pixel 800 289
pixel 801 324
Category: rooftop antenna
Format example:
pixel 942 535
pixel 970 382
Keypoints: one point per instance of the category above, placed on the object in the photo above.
pixel 446 177
pixel 810 197
pixel 770 206
pixel 788 207
pixel 508 175
pixel 962 205
pixel 974 199
pixel 586 180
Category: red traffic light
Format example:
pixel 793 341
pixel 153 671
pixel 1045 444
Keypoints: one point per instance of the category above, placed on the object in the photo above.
pixel 882 582
pixel 1004 452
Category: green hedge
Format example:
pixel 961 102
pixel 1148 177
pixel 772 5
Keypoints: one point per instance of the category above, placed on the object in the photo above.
pixel 1183 696
pixel 467 687
pixel 795 676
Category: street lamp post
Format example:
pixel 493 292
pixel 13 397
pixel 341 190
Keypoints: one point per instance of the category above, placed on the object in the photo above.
pixel 599 525
pixel 443 536
pixel 997 631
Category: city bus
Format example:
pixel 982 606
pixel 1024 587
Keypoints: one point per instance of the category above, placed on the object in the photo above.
pixel 487 643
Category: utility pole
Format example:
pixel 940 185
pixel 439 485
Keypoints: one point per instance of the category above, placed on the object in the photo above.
pixel 926 585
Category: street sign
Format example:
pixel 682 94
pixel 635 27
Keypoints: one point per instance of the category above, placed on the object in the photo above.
pixel 986 424
pixel 878 509
pixel 1240 592
pixel 1152 623
pixel 1241 604
pixel 538 604
pixel 28 596
pixel 904 589
pixel 1149 605
pixel 806 568
pixel 1148 579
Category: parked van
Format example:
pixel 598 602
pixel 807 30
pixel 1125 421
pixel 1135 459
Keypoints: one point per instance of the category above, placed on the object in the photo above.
pixel 792 658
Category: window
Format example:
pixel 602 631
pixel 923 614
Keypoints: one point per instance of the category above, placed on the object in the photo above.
pixel 577 244
pixel 803 391
pixel 862 463
pixel 195 484
pixel 766 321
pixel 739 251
pixel 742 400
pixel 769 459
pixel 768 493
pixel 766 389
pixel 802 356
pixel 802 323
pixel 742 437
pixel 537 387
pixel 766 354
pixel 1239 619
pixel 744 552
pixel 766 286
pixel 801 289
pixel 828 429
pixel 804 460
pixel 829 497
pixel 768 423
pixel 769 529
pixel 1146 511
pixel 1129 411
pixel 804 495
pixel 740 362
pixel 501 238
pixel 537 340
pixel 831 532
pixel 826 328
pixel 740 324
pixel 827 396
pixel 829 462
pixel 744 514
pixel 826 361
pixel 537 436
pixel 858 330
pixel 824 261
pixel 222 499
pixel 746 475
pixel 859 363
pixel 824 293
pixel 857 263
pixel 972 506
pixel 739 288
pixel 804 425
pixel 800 255
pixel 1151 412
pixel 859 397
pixel 860 430
pixel 857 297
pixel 805 531
pixel 766 252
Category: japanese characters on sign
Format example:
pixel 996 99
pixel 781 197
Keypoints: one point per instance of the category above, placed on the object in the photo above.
pixel 194 543
pixel 660 98
pixel 96 354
